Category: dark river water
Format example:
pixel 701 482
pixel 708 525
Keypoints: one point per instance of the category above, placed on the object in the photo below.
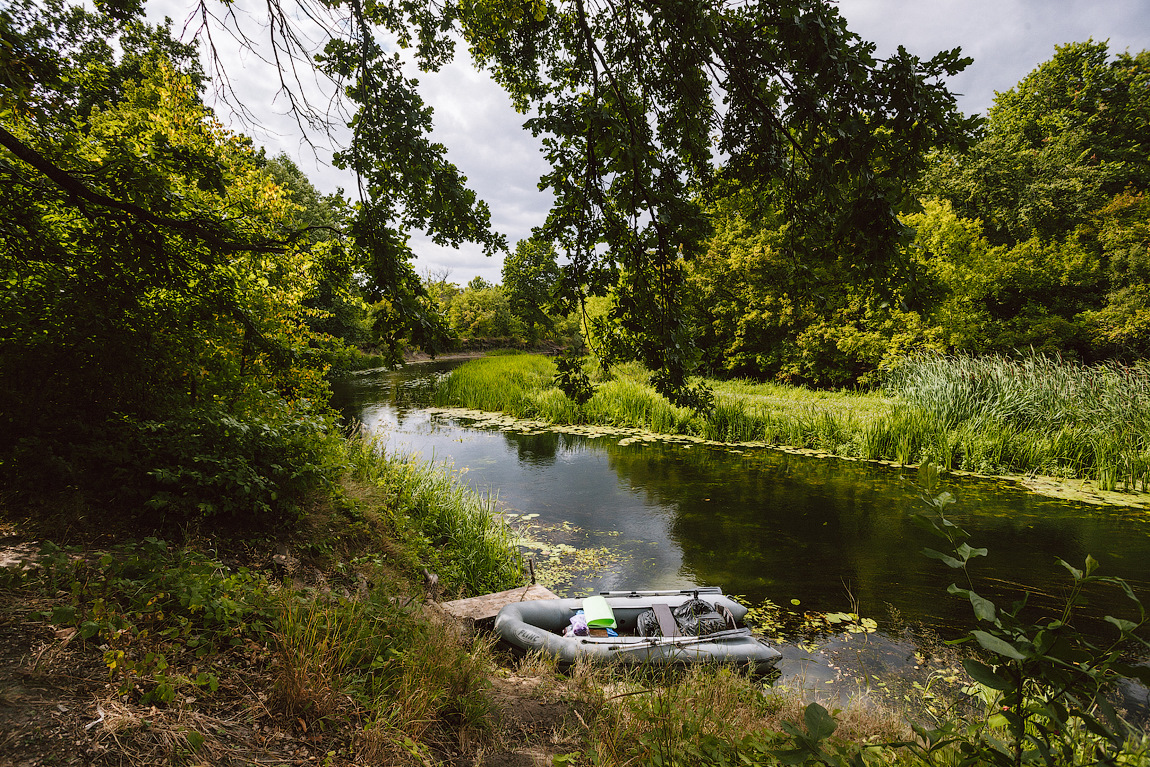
pixel 764 524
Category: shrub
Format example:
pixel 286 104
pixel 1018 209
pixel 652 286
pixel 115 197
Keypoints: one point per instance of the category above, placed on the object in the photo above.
pixel 207 465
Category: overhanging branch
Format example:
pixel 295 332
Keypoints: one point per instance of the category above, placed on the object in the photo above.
pixel 199 228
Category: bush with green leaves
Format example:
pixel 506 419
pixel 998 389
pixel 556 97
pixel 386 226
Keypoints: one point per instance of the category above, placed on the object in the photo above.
pixel 147 603
pixel 207 464
pixel 1048 684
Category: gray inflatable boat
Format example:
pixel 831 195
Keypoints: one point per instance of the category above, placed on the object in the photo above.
pixel 654 627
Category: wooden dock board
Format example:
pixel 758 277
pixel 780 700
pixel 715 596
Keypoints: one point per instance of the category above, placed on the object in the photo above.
pixel 486 607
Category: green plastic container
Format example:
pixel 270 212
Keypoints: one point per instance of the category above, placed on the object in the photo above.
pixel 598 612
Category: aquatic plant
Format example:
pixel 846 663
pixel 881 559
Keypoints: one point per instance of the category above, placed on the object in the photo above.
pixel 628 402
pixel 1033 413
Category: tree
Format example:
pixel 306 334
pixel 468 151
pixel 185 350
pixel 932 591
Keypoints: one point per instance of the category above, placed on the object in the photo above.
pixel 1050 199
pixel 1069 136
pixel 405 180
pixel 529 275
pixel 154 349
pixel 763 315
pixel 481 311
pixel 325 216
pixel 125 306
pixel 1000 298
pixel 636 103
pixel 632 101
pixel 337 307
pixel 1121 328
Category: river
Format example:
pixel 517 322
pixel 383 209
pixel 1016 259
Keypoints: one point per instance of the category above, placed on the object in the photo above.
pixel 810 534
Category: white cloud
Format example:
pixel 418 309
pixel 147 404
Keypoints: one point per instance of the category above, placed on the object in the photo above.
pixel 485 138
pixel 1006 38
pixel 473 119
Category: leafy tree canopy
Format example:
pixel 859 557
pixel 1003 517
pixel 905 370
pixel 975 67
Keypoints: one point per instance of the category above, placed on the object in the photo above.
pixel 155 349
pixel 1070 135
pixel 641 106
pixel 637 104
pixel 529 274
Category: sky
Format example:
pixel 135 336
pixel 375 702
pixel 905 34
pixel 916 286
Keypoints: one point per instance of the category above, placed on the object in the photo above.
pixel 485 138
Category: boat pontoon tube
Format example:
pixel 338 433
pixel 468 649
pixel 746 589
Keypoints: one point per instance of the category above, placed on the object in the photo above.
pixel 536 625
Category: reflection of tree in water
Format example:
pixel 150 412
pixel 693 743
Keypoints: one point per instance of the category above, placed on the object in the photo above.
pixel 414 387
pixel 535 449
pixel 754 523
pixel 400 417
pixel 405 389
pixel 769 524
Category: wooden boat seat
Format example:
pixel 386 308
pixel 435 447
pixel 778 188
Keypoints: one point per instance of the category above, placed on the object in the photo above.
pixel 667 624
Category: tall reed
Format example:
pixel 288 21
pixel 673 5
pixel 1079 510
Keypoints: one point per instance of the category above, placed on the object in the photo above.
pixel 625 401
pixel 991 415
pixel 500 383
pixel 1036 413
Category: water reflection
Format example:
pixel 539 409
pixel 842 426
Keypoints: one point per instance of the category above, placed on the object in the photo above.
pixel 764 524
pixel 536 449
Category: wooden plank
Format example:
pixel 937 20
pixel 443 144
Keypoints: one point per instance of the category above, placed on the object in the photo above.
pixel 487 606
pixel 667 622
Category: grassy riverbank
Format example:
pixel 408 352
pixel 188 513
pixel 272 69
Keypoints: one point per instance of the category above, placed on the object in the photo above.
pixel 990 416
pixel 312 635
pixel 309 640
pixel 320 643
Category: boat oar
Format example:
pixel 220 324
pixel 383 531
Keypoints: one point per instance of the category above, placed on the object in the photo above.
pixel 654 642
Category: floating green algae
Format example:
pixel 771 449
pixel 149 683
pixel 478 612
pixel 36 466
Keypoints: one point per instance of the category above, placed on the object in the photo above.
pixel 565 562
pixel 1052 487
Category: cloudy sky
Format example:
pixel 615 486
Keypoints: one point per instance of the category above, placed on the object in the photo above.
pixel 485 138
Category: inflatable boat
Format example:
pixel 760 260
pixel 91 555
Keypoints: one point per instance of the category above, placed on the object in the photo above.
pixel 654 627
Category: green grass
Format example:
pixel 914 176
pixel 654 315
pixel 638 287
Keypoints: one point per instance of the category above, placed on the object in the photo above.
pixel 417 688
pixel 744 411
pixel 1033 414
pixel 503 383
pixel 440 523
pixel 356 659
pixel 988 415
